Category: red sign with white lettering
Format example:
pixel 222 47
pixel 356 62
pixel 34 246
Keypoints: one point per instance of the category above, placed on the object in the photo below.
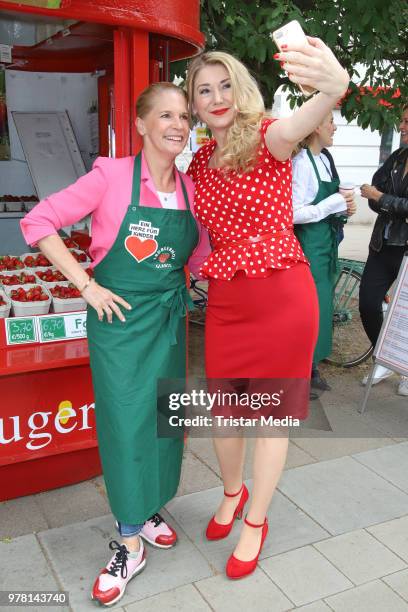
pixel 47 423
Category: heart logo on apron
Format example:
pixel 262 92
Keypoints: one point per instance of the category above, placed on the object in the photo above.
pixel 140 249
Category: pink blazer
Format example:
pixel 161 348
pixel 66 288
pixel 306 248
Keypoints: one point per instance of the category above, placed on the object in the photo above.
pixel 105 193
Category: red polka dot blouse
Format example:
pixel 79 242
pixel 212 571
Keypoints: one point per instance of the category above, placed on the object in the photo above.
pixel 237 207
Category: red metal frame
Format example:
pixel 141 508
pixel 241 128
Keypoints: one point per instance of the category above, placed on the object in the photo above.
pixel 139 79
pixel 122 92
pixel 168 17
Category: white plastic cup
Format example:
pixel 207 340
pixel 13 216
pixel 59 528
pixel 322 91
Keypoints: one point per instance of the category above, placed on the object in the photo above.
pixel 346 188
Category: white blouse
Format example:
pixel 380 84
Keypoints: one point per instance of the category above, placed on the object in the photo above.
pixel 305 187
pixel 168 200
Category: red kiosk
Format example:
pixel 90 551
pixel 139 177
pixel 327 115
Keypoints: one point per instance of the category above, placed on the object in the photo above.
pixel 47 428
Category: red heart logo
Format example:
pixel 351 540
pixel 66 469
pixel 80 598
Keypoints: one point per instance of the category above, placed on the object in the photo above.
pixel 140 249
pixel 163 257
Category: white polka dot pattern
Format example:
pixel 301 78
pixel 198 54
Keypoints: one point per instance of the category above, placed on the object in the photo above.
pixel 234 207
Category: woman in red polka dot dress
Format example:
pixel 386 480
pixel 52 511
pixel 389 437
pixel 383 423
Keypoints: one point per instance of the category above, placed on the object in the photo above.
pixel 262 315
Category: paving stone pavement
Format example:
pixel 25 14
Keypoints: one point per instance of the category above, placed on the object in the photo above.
pixel 338 541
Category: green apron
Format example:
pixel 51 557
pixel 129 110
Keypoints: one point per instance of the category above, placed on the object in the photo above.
pixel 319 244
pixel 145 267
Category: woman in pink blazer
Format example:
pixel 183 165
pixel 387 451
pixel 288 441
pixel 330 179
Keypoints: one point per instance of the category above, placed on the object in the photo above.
pixel 144 232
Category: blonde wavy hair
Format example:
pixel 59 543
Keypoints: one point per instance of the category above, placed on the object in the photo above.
pixel 243 138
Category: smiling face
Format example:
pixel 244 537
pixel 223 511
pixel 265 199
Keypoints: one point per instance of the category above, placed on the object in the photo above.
pixel 403 127
pixel 165 128
pixel 213 99
pixel 325 131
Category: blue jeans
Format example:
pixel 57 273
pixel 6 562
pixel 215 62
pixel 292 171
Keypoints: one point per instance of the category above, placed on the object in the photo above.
pixel 126 531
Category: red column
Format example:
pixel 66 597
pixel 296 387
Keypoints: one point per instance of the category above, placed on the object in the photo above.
pixel 139 79
pixel 131 67
pixel 121 92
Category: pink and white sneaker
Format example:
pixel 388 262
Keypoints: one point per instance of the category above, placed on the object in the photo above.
pixel 158 533
pixel 111 583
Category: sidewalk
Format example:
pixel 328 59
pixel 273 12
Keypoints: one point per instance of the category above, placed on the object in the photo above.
pixel 338 536
pixel 355 243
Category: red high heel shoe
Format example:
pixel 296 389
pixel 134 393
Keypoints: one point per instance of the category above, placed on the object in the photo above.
pixel 217 531
pixel 239 569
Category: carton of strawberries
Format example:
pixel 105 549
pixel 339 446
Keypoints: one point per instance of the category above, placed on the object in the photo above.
pixel 27 300
pixel 64 292
pixel 5 306
pixel 66 297
pixel 50 275
pixel 69 243
pixel 10 262
pixel 80 256
pixel 17 279
pixel 32 294
pixel 35 260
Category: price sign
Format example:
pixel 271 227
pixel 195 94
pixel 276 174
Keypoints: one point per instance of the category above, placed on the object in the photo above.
pixel 46 328
pixel 21 330
pixel 62 327
pixel 75 324
pixel 52 328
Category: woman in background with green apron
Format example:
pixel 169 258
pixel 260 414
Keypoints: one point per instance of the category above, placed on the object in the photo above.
pixel 317 215
pixel 143 234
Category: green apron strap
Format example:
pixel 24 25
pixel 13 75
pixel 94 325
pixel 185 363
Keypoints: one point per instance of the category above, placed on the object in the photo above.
pixel 188 207
pixel 137 174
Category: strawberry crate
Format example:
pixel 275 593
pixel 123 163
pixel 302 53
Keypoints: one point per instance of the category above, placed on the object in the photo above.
pixel 66 304
pixel 70 243
pixel 10 262
pixel 10 274
pixel 29 205
pixel 35 260
pixel 4 308
pixel 81 257
pixel 14 206
pixel 39 273
pixel 27 309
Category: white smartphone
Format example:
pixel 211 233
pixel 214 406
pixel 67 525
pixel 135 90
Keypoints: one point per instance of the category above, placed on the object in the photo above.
pixel 292 34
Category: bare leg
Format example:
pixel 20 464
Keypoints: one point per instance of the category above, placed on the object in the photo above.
pixel 269 461
pixel 231 455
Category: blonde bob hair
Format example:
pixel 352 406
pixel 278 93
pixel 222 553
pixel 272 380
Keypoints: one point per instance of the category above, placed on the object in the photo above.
pixel 243 138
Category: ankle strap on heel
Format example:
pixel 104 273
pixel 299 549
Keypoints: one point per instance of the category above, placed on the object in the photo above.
pixel 254 524
pixel 233 494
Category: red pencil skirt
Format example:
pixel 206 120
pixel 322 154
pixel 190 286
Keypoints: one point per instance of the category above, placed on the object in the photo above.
pixel 263 328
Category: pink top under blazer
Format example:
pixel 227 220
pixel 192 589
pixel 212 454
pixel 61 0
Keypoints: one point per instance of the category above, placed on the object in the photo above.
pixel 105 193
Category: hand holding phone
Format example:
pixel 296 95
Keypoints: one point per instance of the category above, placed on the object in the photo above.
pixel 309 62
pixel 292 35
